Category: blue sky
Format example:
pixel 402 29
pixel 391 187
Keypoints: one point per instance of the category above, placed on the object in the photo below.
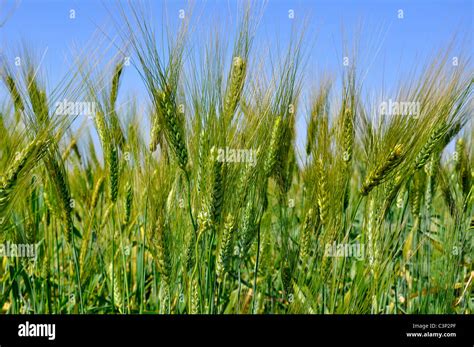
pixel 389 47
pixel 388 43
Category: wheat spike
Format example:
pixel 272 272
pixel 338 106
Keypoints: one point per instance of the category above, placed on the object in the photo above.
pixel 102 130
pixel 174 127
pixel 323 194
pixel 306 233
pixel 234 88
pixel 115 284
pixel 436 136
pixel 31 154
pixel 225 250
pixel 376 176
pixel 128 203
pixel 163 259
pixel 248 229
pixel 96 191
pixel 217 193
pixel 15 95
pixel 113 173
pixel 194 297
pixel 274 146
pixel 155 132
pixel 463 167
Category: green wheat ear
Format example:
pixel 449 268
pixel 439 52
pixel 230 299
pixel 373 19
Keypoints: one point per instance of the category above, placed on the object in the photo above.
pixel 155 132
pixel 116 129
pixel 436 136
pixel 248 229
pixel 115 83
pixel 306 233
pixel 416 193
pixel 204 221
pixel 247 177
pixel 274 146
pixel 347 147
pixel 174 127
pixel 225 250
pixel 202 163
pixel 323 194
pixel 217 192
pixel 194 297
pixel 115 284
pixel 162 256
pixel 39 102
pixel 128 203
pixel 15 95
pixel 113 173
pixel 234 88
pixel 287 279
pixel 59 179
pixel 102 130
pixel 96 191
pixel 348 135
pixel 463 166
pixel 376 176
pixel 190 250
pixel 31 154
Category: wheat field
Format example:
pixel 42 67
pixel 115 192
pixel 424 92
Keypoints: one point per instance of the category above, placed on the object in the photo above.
pixel 210 199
